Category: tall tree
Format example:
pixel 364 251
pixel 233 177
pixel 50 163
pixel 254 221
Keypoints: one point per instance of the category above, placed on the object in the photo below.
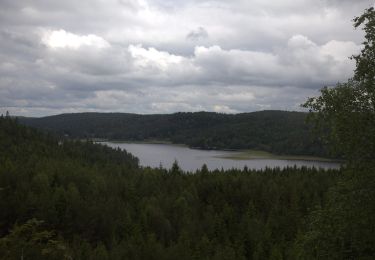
pixel 346 113
pixel 344 227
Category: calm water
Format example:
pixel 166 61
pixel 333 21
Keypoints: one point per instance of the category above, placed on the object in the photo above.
pixel 191 159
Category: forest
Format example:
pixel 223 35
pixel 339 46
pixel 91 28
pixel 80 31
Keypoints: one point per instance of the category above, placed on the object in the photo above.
pixel 69 199
pixel 86 201
pixel 278 132
pixel 63 198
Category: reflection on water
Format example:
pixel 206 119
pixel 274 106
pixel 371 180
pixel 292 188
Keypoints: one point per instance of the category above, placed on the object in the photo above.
pixel 154 155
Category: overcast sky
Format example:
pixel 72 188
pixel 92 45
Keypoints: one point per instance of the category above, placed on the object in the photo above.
pixel 163 56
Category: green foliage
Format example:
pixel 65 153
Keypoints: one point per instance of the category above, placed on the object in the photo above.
pixel 278 132
pixel 346 113
pixel 365 61
pixel 344 227
pixel 96 203
pixel 31 241
pixel 348 123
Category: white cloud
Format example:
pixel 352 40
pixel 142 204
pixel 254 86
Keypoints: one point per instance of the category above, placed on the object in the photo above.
pixel 63 39
pixel 300 42
pixel 340 51
pixel 151 57
pixel 223 109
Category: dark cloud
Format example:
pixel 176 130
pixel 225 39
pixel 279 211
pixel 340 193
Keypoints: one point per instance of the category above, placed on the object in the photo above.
pixel 164 56
pixel 198 34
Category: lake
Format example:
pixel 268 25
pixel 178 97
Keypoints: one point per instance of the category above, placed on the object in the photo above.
pixel 188 159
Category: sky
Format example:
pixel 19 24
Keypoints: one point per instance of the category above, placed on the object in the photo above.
pixel 165 56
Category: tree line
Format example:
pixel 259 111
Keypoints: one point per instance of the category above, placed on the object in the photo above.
pixel 279 132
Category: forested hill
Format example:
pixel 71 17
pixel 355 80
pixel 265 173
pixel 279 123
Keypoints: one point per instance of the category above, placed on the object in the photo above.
pixel 64 199
pixel 278 132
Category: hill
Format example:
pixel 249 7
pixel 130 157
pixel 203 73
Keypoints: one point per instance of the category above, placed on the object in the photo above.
pixel 278 132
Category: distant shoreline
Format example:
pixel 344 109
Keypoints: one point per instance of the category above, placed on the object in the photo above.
pixel 235 154
pixel 257 154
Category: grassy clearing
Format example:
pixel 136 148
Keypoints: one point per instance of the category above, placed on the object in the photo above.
pixel 256 154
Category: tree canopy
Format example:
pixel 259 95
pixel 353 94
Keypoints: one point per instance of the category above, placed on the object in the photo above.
pixel 279 132
pixel 345 114
pixel 344 228
pixel 64 199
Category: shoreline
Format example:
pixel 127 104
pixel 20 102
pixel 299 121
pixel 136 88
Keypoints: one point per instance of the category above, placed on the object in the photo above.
pixel 259 155
pixel 233 154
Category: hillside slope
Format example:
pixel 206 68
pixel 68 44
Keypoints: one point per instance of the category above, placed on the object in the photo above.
pixel 278 132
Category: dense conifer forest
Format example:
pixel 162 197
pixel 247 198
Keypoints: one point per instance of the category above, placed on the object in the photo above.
pixel 81 200
pixel 278 132
pixel 64 199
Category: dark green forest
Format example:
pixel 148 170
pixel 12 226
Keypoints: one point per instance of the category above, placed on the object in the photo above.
pixel 66 199
pixel 278 132
pixel 73 199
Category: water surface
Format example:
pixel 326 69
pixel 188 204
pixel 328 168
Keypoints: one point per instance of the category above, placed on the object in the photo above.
pixel 154 155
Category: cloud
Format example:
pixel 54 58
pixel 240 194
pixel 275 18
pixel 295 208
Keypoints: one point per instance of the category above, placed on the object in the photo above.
pixel 145 58
pixel 301 63
pixel 157 56
pixel 199 33
pixel 63 39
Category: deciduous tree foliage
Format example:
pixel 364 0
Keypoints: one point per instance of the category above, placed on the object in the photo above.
pixel 344 228
pixel 346 113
